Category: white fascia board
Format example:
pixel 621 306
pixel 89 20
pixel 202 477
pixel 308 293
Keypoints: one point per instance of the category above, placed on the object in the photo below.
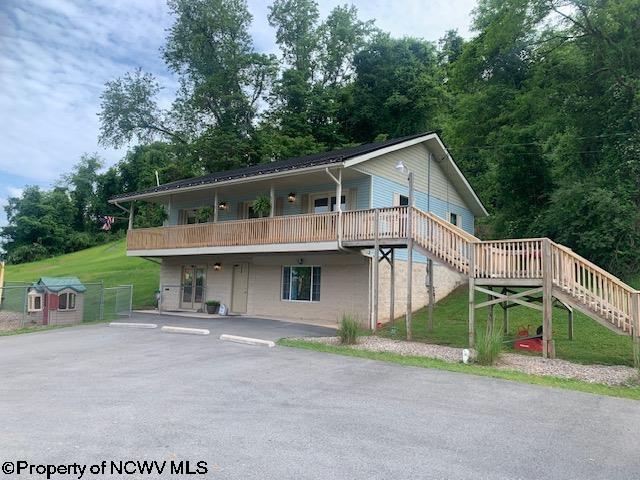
pixel 383 151
pixel 208 186
pixel 269 248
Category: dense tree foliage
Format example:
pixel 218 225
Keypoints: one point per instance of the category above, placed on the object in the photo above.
pixel 540 108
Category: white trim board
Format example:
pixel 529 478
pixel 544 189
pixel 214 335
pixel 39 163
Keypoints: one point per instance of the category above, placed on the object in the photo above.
pixel 269 248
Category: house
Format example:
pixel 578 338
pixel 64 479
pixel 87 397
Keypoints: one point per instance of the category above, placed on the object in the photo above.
pixel 56 301
pixel 313 257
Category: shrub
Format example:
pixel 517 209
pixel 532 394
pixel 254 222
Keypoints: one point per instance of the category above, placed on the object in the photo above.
pixel 348 331
pixel 213 303
pixel 488 347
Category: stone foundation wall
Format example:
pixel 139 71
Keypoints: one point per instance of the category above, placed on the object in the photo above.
pixel 445 281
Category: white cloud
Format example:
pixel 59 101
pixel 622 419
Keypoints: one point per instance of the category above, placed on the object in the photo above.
pixel 15 191
pixel 56 55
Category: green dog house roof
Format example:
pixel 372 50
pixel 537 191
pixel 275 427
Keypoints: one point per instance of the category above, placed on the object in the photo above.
pixel 57 284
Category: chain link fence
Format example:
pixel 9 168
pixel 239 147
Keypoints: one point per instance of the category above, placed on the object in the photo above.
pixel 22 305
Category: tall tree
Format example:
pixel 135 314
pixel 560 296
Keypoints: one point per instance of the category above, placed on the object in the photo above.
pixel 396 91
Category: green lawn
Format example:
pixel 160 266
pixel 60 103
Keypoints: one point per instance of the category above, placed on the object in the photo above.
pixel 107 263
pixel 592 342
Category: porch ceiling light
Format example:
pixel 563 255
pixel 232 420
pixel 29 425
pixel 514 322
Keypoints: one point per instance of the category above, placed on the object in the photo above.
pixel 223 206
pixel 217 266
pixel 292 197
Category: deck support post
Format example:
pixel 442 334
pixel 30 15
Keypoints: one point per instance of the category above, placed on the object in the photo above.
pixel 570 323
pixel 432 296
pixel 490 316
pixel 505 314
pixel 472 295
pixel 215 206
pixel 131 211
pixel 392 288
pixel 376 270
pixel 548 348
pixel 635 327
pixel 409 312
pixel 272 201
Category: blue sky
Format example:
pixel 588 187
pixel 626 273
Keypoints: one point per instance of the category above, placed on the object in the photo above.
pixel 56 55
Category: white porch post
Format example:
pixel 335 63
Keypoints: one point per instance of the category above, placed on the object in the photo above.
pixel 215 206
pixel 339 191
pixel 131 210
pixel 272 201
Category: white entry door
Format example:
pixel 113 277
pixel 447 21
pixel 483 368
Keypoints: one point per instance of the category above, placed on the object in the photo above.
pixel 240 288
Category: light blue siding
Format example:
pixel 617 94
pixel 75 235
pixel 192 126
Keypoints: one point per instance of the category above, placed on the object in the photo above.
pixel 382 194
pixel 383 191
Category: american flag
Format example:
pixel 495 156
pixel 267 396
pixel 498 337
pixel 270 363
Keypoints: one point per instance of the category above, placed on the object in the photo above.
pixel 107 222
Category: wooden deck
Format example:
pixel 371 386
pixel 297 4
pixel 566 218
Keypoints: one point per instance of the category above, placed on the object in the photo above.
pixel 506 263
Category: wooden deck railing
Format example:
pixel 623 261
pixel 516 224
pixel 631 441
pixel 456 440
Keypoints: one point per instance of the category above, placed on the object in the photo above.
pixel 258 231
pixel 586 283
pixel 447 242
pixel 512 259
pixel 359 225
pixel 594 287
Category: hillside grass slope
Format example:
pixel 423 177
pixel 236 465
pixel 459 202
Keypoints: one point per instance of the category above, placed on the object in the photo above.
pixel 107 263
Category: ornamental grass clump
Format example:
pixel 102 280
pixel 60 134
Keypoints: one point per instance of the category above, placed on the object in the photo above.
pixel 488 347
pixel 348 331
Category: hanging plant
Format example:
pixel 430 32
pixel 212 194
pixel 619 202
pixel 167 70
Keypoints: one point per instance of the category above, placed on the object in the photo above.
pixel 261 206
pixel 204 214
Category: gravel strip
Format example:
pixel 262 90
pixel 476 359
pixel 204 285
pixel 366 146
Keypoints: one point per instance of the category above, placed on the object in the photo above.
pixel 609 375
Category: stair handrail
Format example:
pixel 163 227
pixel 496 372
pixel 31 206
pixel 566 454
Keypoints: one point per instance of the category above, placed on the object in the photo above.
pixel 595 267
pixel 447 225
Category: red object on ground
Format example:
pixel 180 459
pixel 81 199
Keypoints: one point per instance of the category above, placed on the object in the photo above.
pixel 531 344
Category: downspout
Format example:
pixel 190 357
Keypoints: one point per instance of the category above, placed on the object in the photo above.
pixel 338 181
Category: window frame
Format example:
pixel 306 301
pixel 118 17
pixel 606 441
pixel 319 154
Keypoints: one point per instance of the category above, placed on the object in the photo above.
pixel 247 210
pixel 32 300
pixel 457 217
pixel 312 283
pixel 68 296
pixel 346 193
pixel 397 200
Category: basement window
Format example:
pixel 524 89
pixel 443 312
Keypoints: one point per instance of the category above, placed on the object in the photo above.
pixel 301 284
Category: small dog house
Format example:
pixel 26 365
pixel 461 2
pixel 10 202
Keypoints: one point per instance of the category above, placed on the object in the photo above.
pixel 56 301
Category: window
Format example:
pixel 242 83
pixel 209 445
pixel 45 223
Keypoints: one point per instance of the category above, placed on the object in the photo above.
pixel 67 301
pixel 400 200
pixel 301 284
pixel 190 216
pixel 35 302
pixel 321 204
pixel 247 210
pixel 453 218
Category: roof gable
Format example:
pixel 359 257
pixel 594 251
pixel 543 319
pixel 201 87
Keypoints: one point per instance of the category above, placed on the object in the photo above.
pixel 57 284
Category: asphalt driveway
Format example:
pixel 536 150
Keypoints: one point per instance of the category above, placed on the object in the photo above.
pixel 93 393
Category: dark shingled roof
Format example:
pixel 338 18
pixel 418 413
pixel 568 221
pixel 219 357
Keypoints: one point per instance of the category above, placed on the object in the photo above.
pixel 326 158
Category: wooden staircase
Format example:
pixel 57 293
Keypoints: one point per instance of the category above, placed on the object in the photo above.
pixel 571 278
